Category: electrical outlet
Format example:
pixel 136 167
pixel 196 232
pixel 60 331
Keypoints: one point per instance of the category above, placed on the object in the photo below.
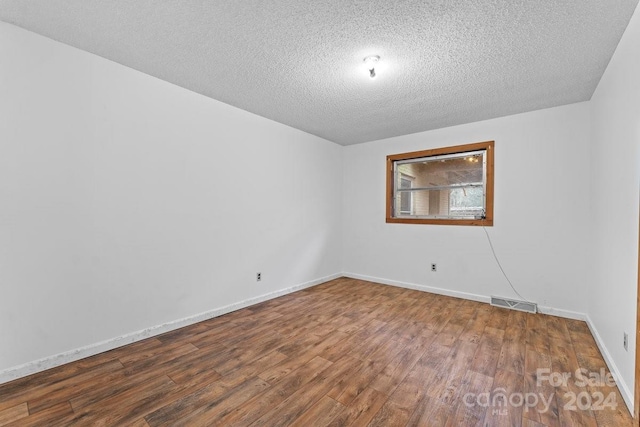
pixel 434 267
pixel 625 342
pixel 258 277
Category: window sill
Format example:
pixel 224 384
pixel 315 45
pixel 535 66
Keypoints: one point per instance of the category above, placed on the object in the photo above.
pixel 472 222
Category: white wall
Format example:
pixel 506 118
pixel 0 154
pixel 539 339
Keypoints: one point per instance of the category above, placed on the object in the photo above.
pixel 127 202
pixel 541 230
pixel 615 179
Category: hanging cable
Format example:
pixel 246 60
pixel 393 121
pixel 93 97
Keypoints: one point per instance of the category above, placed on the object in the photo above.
pixel 493 251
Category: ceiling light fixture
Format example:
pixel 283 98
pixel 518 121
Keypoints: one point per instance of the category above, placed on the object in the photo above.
pixel 370 62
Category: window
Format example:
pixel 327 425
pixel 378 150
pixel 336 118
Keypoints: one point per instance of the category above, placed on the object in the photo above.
pixel 452 185
pixel 406 197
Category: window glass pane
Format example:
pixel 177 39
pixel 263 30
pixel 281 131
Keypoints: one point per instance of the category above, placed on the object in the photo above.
pixel 428 202
pixel 444 203
pixel 445 186
pixel 405 197
pixel 438 172
pixel 466 201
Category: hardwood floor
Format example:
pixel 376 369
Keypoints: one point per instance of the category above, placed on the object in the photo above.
pixel 345 353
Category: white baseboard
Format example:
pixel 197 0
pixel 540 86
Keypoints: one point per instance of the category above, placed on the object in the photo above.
pixel 100 347
pixel 464 295
pixel 567 314
pixel 622 385
pixel 431 289
pixel 627 395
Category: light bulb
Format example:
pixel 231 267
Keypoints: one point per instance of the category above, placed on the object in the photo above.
pixel 370 62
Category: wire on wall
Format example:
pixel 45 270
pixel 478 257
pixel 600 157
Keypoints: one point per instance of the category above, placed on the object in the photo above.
pixel 493 251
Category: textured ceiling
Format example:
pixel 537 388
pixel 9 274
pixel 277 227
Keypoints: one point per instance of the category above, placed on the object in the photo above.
pixel 300 62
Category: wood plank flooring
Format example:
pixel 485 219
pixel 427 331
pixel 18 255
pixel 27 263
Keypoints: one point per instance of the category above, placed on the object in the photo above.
pixel 345 353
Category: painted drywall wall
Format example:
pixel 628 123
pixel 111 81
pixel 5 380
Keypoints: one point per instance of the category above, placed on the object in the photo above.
pixel 541 231
pixel 615 179
pixel 127 202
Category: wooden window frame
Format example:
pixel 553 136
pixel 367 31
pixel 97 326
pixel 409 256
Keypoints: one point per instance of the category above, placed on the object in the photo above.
pixel 458 149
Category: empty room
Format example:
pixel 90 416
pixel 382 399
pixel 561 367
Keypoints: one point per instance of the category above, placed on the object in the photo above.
pixel 314 213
